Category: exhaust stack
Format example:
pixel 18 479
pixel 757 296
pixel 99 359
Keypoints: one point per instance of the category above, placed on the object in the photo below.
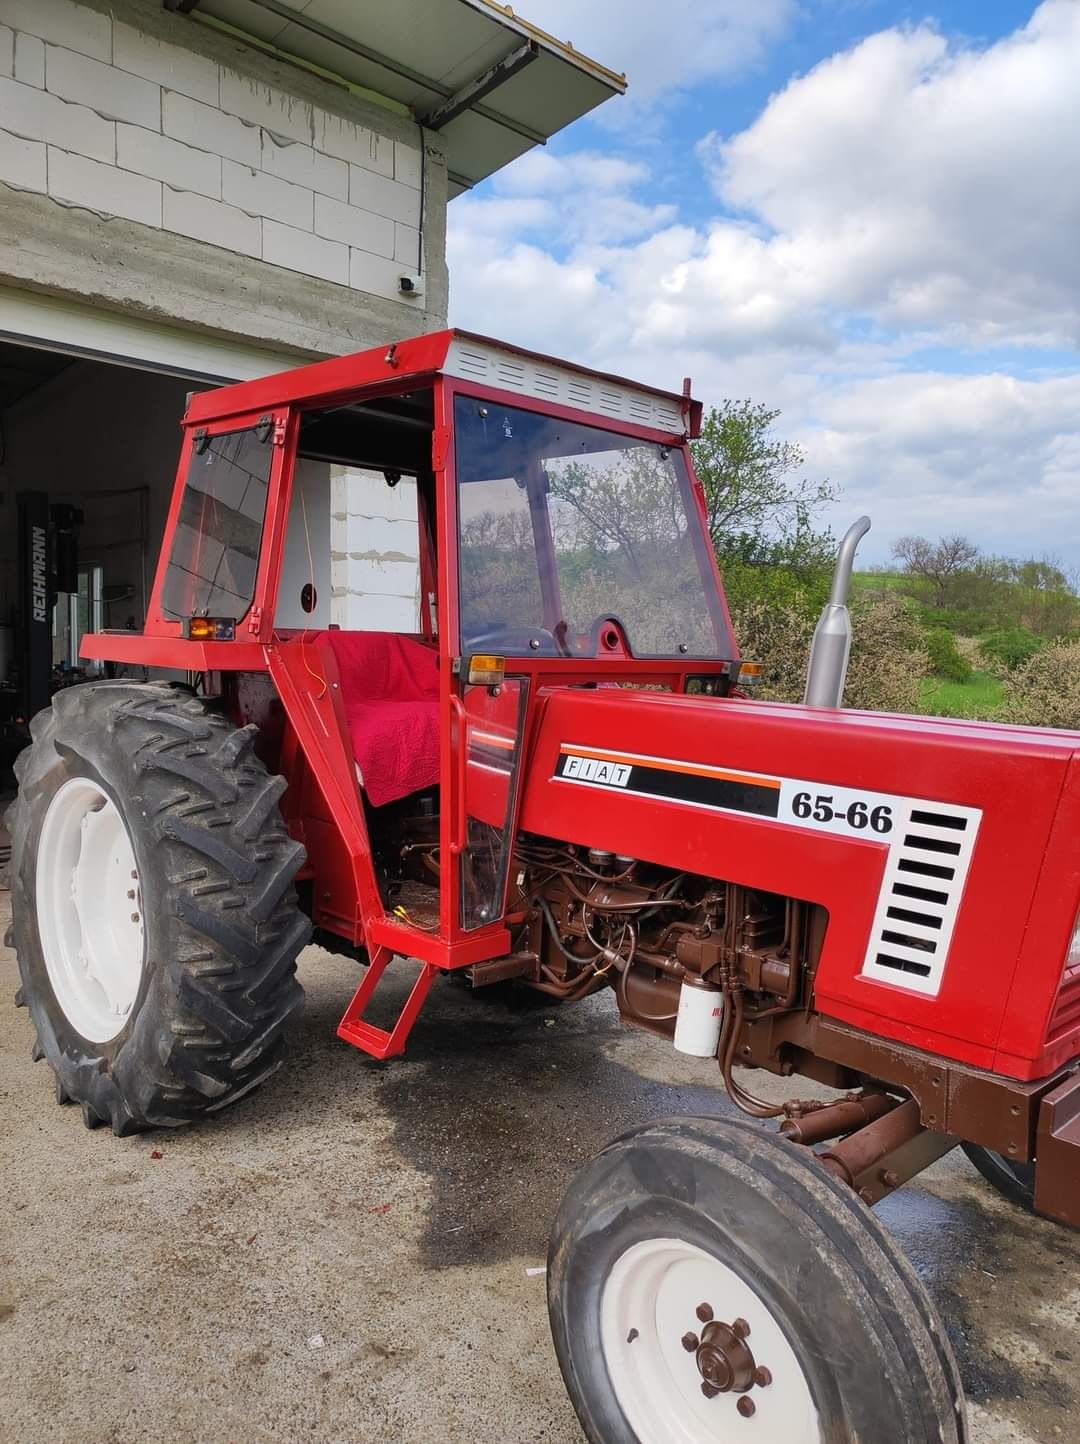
pixel 832 636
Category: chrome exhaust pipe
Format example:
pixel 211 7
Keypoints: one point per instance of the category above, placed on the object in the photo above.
pixel 831 646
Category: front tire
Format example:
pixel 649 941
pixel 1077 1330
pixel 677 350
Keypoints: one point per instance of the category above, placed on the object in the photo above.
pixel 1014 1181
pixel 154 914
pixel 703 1272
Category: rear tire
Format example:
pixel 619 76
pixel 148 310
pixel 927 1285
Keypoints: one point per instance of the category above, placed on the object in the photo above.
pixel 1014 1181
pixel 146 830
pixel 684 1225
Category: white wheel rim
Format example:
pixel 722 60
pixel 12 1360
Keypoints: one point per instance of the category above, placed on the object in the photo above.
pixel 648 1304
pixel 89 909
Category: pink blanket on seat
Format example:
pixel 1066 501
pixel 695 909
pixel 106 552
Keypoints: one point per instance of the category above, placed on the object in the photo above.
pixel 390 687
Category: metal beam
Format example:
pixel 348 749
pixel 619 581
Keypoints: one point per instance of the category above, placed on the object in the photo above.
pixel 483 85
pixel 355 47
pixel 179 7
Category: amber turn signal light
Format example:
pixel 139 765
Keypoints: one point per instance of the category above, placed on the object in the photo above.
pixel 210 629
pixel 750 674
pixel 486 671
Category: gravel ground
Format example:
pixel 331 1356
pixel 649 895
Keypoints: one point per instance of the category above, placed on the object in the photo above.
pixel 343 1256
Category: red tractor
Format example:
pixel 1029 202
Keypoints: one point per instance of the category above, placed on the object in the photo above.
pixel 558 780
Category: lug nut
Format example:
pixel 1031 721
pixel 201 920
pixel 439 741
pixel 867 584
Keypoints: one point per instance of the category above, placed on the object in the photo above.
pixel 690 1343
pixel 131 893
pixel 762 1376
pixel 704 1313
pixel 709 1390
pixel 741 1329
pixel 134 917
pixel 746 1407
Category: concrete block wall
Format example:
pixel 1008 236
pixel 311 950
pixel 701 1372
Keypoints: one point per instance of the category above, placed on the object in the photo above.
pixel 374 552
pixel 133 114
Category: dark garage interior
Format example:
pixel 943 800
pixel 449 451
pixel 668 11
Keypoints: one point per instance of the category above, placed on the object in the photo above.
pixel 88 453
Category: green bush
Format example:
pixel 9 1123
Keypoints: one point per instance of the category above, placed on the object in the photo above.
pixel 945 659
pixel 1044 691
pixel 888 660
pixel 958 620
pixel 888 655
pixel 1010 648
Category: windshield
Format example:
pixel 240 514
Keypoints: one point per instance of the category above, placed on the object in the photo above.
pixel 565 526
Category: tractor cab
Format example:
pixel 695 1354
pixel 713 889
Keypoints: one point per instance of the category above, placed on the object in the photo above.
pixel 551 531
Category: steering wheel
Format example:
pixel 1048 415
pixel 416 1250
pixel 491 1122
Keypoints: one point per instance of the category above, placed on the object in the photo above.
pixel 504 639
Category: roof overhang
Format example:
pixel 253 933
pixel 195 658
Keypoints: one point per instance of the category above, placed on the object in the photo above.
pixel 493 85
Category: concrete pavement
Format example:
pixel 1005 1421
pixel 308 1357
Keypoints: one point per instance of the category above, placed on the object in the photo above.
pixel 342 1257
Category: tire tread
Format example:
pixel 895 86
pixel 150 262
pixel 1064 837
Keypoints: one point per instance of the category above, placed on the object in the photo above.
pixel 226 868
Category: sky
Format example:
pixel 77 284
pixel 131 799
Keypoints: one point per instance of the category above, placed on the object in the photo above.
pixel 862 213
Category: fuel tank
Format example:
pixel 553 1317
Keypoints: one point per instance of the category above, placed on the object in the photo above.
pixel 944 851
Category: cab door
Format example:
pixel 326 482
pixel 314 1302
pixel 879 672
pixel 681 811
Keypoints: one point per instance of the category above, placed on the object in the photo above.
pixel 482 731
pixel 490 722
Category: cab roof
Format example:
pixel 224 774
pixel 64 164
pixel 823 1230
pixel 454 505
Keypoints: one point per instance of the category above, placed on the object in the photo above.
pixel 495 365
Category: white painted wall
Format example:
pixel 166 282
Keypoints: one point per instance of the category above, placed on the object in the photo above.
pixel 101 115
pixel 307 548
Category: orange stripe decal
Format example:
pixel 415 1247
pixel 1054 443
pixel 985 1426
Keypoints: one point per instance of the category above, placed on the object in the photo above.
pixel 661 764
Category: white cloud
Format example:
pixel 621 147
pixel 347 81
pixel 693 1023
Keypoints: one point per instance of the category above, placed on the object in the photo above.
pixel 909 193
pixel 991 456
pixel 541 172
pixel 922 183
pixel 664 47
pixel 904 182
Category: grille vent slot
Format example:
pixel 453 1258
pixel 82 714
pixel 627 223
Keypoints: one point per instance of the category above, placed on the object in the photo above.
pixel 1066 1014
pixel 473 364
pixel 920 895
pixel 510 373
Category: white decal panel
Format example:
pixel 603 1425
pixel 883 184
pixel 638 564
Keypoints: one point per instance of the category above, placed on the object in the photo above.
pixel 928 844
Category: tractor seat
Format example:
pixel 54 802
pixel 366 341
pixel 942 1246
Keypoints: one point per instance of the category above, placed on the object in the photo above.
pixel 390 688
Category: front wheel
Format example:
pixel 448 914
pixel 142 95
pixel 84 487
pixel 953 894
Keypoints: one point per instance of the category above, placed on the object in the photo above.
pixel 704 1273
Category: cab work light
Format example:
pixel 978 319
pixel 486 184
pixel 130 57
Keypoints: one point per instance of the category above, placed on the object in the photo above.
pixel 486 671
pixel 210 629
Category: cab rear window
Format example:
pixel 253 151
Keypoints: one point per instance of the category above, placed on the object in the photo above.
pixel 215 552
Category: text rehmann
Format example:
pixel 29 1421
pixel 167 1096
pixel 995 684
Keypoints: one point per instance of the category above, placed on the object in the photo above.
pixel 39 575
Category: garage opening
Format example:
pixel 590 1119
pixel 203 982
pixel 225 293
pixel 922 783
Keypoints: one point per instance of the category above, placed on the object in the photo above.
pixel 88 453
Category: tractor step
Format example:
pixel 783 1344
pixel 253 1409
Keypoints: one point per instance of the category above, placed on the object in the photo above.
pixel 375 1041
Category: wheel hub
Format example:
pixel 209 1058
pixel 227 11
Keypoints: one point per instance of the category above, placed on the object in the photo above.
pixel 724 1359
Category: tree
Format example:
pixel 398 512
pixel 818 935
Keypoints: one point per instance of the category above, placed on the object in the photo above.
pixel 761 512
pixel 749 477
pixel 936 562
